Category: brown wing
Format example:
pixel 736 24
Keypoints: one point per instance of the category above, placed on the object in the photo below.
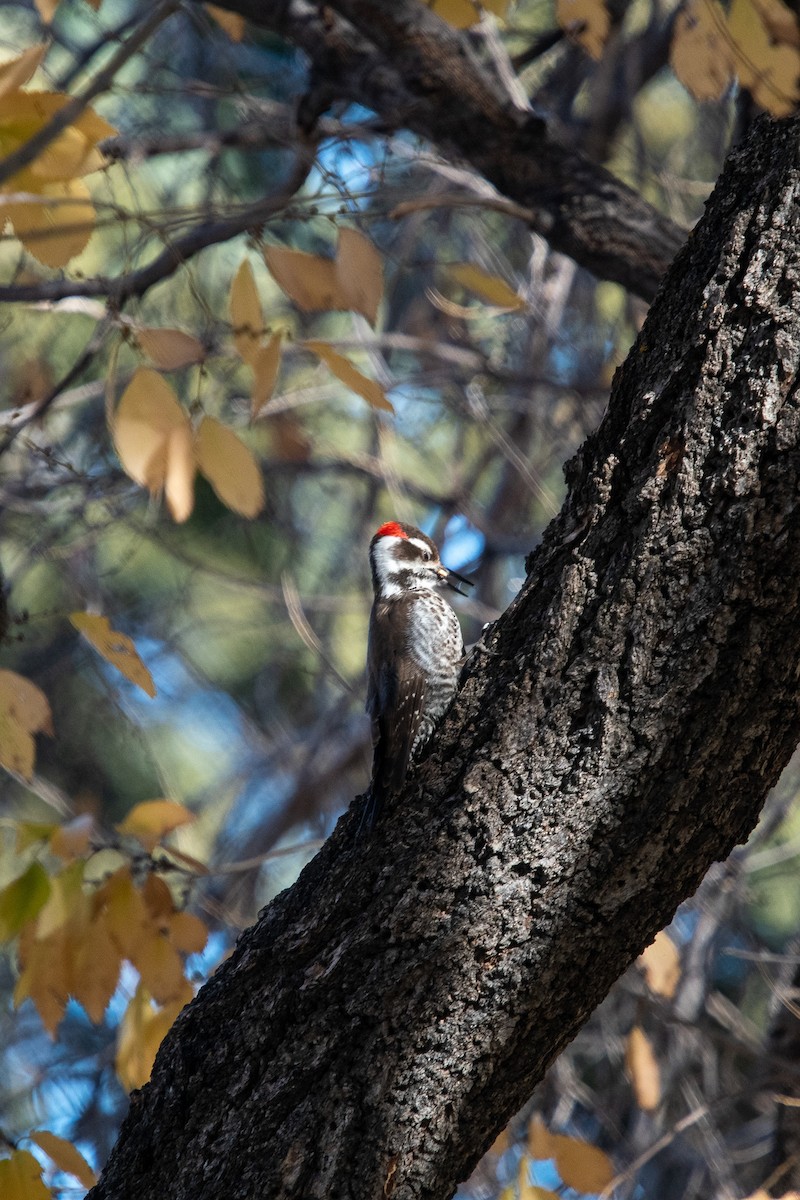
pixel 395 697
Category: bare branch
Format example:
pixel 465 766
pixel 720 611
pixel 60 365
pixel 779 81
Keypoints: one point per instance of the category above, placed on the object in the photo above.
pixel 417 72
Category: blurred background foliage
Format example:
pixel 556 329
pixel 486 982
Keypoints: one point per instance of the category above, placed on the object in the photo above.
pixel 255 631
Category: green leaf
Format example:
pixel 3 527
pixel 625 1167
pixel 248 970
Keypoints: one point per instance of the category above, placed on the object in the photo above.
pixel 22 900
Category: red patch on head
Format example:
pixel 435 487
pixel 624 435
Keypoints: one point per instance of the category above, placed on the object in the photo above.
pixel 391 529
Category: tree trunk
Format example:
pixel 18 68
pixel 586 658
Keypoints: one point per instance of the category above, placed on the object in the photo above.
pixel 385 1017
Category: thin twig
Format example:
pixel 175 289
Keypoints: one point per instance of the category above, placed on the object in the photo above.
pixel 135 283
pixel 35 412
pixel 450 200
pixel 294 609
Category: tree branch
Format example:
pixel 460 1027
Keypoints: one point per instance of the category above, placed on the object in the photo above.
pixel 417 72
pixel 388 1013
pixel 120 289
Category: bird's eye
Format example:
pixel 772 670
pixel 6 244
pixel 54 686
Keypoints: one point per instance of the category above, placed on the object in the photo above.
pixel 426 555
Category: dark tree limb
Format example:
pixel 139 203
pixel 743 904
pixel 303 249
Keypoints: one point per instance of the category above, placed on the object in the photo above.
pixel 378 1026
pixel 418 73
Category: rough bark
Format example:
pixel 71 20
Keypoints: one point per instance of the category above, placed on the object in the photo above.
pixel 375 1029
pixel 418 73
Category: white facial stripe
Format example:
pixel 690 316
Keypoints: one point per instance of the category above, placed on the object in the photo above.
pixel 385 564
pixel 423 546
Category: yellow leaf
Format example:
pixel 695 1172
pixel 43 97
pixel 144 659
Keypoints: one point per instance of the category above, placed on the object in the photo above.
pixel 126 917
pixel 46 9
pixel 266 364
pixel 19 70
pixel 46 971
pixel 230 468
pixel 770 71
pixel 461 14
pixel 66 1156
pixel 581 1166
pixel 782 24
pixel 158 901
pixel 72 839
pixel 170 349
pixel 187 933
pixel 359 274
pixel 54 225
pixel 246 316
pixel 491 288
pixel 22 899
pixel 72 152
pixel 154 441
pixel 116 648
pixel 343 369
pixel 65 903
pixel 643 1070
pixel 700 54
pixel 233 23
pixel 501 1143
pixel 21 1178
pixel 148 413
pixel 160 967
pixel 151 820
pixel 24 711
pixel 308 279
pixel 142 1030
pixel 31 832
pixel 539 1139
pixel 661 963
pixel 587 22
pixel 97 965
pixel 181 470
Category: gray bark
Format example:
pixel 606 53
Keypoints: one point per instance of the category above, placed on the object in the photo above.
pixel 387 1014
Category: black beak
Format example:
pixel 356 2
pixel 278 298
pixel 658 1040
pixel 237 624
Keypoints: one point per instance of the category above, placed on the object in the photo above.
pixel 447 578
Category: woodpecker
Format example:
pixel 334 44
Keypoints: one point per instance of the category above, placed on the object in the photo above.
pixel 415 652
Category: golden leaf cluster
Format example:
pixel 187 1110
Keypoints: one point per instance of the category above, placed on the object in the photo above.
pixel 351 281
pixel 161 449
pixel 76 931
pixel 46 202
pixel 757 41
pixel 24 711
pixel 21 1173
